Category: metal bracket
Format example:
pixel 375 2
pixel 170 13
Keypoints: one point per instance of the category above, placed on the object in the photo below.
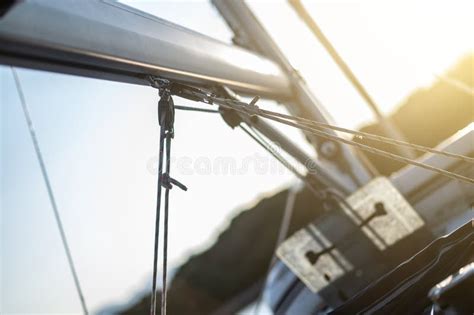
pixel 313 258
pixel 370 220
pixel 383 213
pixel 158 82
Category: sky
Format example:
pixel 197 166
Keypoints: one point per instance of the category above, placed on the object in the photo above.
pixel 100 141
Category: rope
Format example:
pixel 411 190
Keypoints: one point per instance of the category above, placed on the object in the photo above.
pixel 49 188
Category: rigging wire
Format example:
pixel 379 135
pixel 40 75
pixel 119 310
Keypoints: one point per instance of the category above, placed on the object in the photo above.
pixel 49 189
pixel 373 150
pixel 366 135
pixel 264 144
pixel 255 136
pixel 386 123
pixel 196 109
pixel 382 139
pixel 255 111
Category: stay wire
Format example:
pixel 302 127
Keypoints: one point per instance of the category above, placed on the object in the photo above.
pixel 374 150
pixel 255 111
pixel 252 110
pixel 255 136
pixel 385 122
pixel 370 136
pixel 264 144
pixel 49 189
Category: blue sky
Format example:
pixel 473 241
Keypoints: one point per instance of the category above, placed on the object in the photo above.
pixel 99 141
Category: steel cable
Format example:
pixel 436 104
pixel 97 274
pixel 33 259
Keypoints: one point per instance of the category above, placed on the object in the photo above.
pixel 49 188
pixel 374 137
pixel 264 144
pixel 373 150
pixel 255 111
